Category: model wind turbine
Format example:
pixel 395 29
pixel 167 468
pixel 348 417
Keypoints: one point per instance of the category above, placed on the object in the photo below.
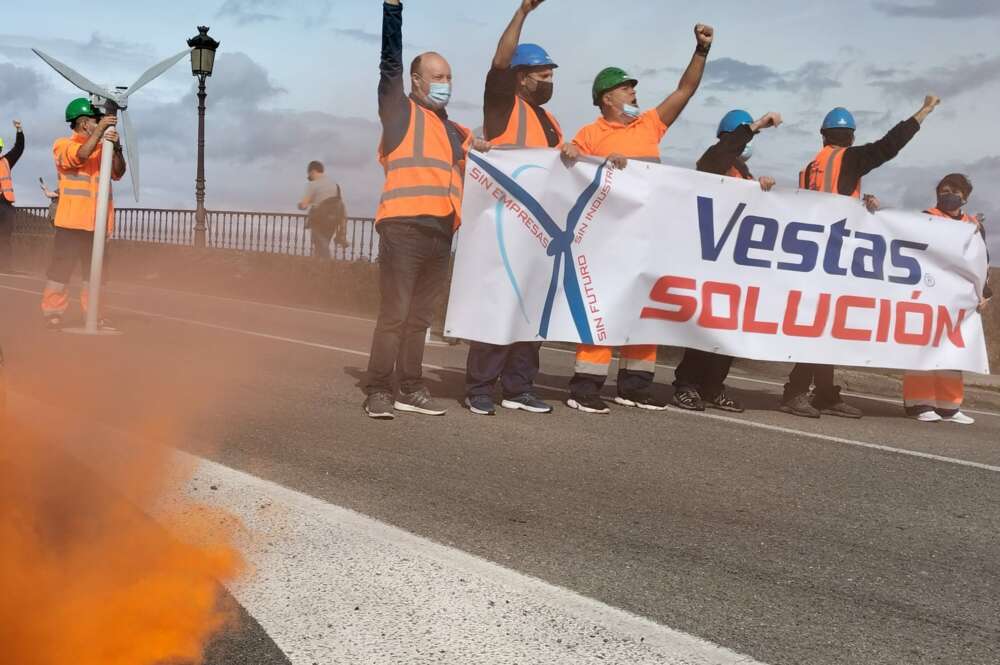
pixel 112 102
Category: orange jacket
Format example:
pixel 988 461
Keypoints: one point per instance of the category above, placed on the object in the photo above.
pixel 525 129
pixel 78 183
pixel 822 174
pixel 6 183
pixel 941 213
pixel 421 176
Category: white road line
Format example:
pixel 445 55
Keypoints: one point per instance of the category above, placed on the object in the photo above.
pixel 335 586
pixel 438 368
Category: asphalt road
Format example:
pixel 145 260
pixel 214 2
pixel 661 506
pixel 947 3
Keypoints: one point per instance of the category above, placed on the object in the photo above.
pixel 787 540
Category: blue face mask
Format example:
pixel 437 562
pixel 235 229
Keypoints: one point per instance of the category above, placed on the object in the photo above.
pixel 747 152
pixel 631 111
pixel 440 94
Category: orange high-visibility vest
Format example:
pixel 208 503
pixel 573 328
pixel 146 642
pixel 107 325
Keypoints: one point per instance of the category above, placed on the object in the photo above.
pixel 823 172
pixel 78 184
pixel 525 130
pixel 6 183
pixel 941 213
pixel 421 176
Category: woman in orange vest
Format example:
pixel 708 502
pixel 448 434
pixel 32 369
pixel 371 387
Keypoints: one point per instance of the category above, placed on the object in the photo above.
pixel 700 378
pixel 936 396
pixel 518 86
pixel 838 169
pixel 78 164
pixel 423 153
pixel 7 198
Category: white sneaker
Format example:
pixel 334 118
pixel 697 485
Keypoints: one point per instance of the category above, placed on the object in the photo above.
pixel 959 418
pixel 928 417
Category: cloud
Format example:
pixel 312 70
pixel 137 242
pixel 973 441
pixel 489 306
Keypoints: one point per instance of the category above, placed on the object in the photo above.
pixel 941 9
pixel 246 12
pixel 20 86
pixel 945 81
pixel 98 48
pixel 360 35
pixel 712 100
pixel 732 74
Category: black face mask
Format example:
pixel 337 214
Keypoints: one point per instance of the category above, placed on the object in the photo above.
pixel 542 93
pixel 950 202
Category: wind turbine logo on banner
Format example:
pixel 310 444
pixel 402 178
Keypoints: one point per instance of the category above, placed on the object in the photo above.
pixel 111 102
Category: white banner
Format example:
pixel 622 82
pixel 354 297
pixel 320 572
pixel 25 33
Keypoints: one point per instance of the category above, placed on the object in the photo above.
pixel 654 254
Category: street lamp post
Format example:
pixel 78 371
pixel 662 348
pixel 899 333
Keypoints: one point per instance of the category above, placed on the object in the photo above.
pixel 203 50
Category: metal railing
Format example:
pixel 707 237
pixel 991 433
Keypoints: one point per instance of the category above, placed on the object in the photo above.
pixel 268 232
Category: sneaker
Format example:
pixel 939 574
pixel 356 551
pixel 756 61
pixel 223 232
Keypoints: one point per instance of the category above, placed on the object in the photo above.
pixel 379 406
pixel 420 402
pixel 641 401
pixel 799 405
pixel 841 409
pixel 53 323
pixel 526 402
pixel 481 405
pixel 928 417
pixel 589 404
pixel 689 400
pixel 959 418
pixel 724 402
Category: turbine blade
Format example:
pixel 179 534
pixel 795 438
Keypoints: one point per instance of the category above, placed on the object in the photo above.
pixel 155 71
pixel 131 151
pixel 74 77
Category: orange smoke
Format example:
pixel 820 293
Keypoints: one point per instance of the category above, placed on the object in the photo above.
pixel 86 577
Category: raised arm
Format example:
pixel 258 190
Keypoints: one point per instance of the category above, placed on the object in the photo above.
pixel 672 106
pixel 18 149
pixel 512 35
pixel 391 95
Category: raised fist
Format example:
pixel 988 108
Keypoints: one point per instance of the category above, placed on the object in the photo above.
pixel 704 34
pixel 527 6
pixel 771 119
pixel 930 101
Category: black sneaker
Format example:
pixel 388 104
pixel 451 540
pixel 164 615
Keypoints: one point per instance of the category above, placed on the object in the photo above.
pixel 799 405
pixel 724 402
pixel 481 405
pixel 526 402
pixel 379 406
pixel 840 408
pixel 589 404
pixel 420 402
pixel 53 323
pixel 689 400
pixel 641 401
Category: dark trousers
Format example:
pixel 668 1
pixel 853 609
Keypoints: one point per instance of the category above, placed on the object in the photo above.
pixel 72 248
pixel 630 382
pixel 516 365
pixel 804 376
pixel 413 271
pixel 321 233
pixel 7 213
pixel 704 372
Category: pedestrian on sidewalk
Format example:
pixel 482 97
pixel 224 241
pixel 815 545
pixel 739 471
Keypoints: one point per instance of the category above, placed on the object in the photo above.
pixel 518 86
pixel 700 378
pixel 423 153
pixel 838 169
pixel 623 132
pixel 7 199
pixel 327 218
pixel 937 395
pixel 78 163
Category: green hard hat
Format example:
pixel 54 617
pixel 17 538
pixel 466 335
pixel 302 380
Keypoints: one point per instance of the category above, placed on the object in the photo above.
pixel 608 78
pixel 80 107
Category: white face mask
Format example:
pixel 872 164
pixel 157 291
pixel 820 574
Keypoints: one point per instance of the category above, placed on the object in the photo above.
pixel 438 94
pixel 631 112
pixel 747 152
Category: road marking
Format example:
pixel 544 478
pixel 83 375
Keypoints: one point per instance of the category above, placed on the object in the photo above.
pixel 439 368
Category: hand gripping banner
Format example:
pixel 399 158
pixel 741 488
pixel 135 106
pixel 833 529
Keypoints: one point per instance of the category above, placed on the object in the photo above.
pixel 654 254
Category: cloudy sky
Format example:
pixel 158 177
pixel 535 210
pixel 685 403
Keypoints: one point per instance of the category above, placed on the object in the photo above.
pixel 296 81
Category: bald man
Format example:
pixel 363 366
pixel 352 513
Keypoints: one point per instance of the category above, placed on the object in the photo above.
pixel 423 153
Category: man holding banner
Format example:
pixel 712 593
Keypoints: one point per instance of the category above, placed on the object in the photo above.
pixel 625 132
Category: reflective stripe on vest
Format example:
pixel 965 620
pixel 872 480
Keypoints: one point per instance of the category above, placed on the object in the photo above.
pixel 525 130
pixel 6 182
pixel 421 178
pixel 823 173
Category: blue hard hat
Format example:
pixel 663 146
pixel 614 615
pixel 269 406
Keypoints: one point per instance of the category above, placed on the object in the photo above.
pixel 839 118
pixel 531 55
pixel 732 120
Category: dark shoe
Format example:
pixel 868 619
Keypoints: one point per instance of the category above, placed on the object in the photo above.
pixel 799 405
pixel 379 406
pixel 481 405
pixel 590 404
pixel 53 322
pixel 641 401
pixel 840 409
pixel 689 400
pixel 526 402
pixel 420 402
pixel 724 402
